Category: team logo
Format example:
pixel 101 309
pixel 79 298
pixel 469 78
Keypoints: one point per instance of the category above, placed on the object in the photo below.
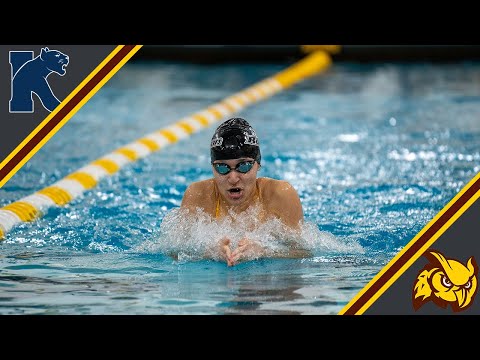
pixel 216 141
pixel 251 139
pixel 29 76
pixel 446 282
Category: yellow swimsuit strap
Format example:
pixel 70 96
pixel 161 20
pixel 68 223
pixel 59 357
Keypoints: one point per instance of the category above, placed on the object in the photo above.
pixel 217 209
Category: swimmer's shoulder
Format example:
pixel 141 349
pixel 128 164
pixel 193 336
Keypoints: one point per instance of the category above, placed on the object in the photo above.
pixel 281 199
pixel 200 189
pixel 200 194
pixel 202 185
pixel 270 188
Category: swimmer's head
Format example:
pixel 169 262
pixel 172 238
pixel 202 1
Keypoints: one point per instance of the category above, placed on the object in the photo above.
pixel 235 139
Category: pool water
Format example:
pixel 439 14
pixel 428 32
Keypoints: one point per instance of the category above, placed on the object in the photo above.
pixel 375 151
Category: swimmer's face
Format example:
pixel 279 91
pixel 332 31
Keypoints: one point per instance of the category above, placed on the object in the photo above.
pixel 236 188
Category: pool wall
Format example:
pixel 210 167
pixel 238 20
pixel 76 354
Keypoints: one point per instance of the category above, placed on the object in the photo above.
pixel 358 53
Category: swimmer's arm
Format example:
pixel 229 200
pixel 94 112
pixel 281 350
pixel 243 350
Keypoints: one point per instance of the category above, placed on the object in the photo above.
pixel 286 205
pixel 249 250
pixel 192 198
pixel 189 199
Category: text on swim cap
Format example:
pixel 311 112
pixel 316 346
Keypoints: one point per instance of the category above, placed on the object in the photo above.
pixel 251 139
pixel 217 141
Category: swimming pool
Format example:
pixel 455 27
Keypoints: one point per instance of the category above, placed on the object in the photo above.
pixel 374 151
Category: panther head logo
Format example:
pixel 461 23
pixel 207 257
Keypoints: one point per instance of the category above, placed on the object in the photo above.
pixel 29 76
pixel 55 60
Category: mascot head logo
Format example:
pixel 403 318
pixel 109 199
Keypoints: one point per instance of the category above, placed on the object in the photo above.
pixel 446 281
pixel 54 60
pixel 29 76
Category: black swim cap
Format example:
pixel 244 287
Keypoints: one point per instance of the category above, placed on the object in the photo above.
pixel 234 139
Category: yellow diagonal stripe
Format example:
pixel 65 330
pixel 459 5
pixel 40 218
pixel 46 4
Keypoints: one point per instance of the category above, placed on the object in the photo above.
pixel 54 112
pixel 72 112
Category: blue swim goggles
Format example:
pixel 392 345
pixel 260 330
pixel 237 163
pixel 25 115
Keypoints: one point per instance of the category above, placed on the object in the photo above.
pixel 242 167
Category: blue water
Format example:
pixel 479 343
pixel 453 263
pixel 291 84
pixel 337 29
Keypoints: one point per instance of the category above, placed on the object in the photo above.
pixel 375 151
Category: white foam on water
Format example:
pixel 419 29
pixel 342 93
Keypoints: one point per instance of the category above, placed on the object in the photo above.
pixel 188 238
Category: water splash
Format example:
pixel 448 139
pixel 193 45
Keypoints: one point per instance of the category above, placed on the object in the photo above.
pixel 190 238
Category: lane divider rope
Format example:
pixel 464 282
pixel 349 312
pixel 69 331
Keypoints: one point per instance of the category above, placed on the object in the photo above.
pixel 75 184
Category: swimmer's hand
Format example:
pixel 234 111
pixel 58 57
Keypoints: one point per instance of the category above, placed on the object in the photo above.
pixel 250 250
pixel 220 251
pixel 225 251
pixel 246 250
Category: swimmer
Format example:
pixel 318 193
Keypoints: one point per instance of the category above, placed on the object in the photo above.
pixel 236 159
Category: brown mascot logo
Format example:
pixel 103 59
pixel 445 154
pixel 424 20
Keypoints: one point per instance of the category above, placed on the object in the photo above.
pixel 446 281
